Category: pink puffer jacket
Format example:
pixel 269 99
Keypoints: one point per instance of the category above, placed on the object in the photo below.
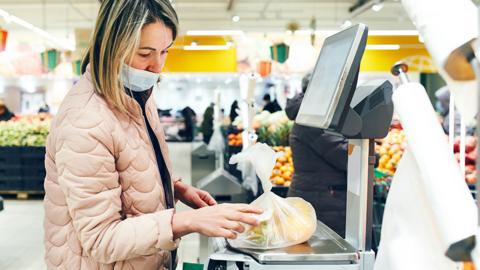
pixel 104 203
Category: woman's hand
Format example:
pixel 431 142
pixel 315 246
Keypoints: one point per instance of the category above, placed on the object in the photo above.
pixel 193 197
pixel 223 220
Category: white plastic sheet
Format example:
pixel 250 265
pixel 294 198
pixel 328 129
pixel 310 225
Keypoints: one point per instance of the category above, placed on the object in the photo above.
pixel 444 26
pixel 429 205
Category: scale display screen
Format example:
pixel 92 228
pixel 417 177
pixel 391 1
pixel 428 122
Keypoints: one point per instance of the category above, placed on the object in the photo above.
pixel 329 78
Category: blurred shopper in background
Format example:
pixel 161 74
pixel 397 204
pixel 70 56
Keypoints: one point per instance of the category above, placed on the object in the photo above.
pixel 320 161
pixel 271 106
pixel 5 113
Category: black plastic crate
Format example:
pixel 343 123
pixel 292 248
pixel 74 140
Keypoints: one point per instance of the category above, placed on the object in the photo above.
pixel 33 184
pixel 35 152
pixel 36 172
pixel 33 156
pixel 280 191
pixel 7 151
pixel 10 155
pixel 10 172
pixel 9 185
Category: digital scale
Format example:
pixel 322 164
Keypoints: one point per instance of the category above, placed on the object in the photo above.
pixel 334 103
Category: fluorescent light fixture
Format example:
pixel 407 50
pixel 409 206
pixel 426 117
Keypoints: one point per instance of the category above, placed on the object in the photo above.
pixel 346 24
pixel 384 47
pixel 12 18
pixel 206 47
pixel 377 7
pixel 393 33
pixel 235 18
pixel 215 33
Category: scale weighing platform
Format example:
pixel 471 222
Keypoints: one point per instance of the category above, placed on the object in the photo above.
pixel 325 248
pixel 334 103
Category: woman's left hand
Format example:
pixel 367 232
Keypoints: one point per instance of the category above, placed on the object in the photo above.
pixel 193 197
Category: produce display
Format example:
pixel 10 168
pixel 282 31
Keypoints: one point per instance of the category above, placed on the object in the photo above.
pixel 390 149
pixel 283 171
pixel 271 128
pixel 470 158
pixel 24 131
pixel 235 139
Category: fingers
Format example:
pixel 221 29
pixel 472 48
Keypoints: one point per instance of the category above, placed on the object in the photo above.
pixel 206 197
pixel 197 200
pixel 246 208
pixel 244 218
pixel 226 234
pixel 234 226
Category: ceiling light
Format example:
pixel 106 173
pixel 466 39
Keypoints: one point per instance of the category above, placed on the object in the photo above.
pixel 207 48
pixel 235 18
pixel 60 43
pixel 383 47
pixel 377 7
pixel 393 33
pixel 346 24
pixel 215 33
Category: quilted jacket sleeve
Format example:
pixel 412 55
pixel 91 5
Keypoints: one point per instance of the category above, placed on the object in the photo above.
pixel 89 180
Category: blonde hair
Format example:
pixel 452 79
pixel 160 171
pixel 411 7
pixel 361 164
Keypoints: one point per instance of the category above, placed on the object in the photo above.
pixel 116 36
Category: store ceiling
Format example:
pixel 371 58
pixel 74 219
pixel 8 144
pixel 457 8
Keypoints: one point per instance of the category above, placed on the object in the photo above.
pixel 255 15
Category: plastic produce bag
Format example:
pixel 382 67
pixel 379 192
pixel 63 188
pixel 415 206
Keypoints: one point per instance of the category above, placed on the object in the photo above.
pixel 217 142
pixel 285 222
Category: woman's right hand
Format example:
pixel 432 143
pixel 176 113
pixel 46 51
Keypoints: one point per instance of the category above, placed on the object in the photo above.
pixel 223 220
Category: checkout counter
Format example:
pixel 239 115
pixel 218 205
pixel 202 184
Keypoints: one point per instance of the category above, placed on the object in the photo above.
pixel 334 103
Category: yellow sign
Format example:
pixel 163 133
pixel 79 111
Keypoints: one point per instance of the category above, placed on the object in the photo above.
pixel 384 51
pixel 202 54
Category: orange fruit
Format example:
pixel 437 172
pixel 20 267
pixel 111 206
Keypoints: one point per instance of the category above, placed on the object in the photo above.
pixel 282 159
pixel 279 180
pixel 276 173
pixel 287 175
pixel 287 183
pixel 231 136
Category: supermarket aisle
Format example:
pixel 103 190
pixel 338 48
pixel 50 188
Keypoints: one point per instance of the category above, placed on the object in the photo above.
pixel 21 237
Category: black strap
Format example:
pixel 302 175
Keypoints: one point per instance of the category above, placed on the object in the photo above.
pixel 162 167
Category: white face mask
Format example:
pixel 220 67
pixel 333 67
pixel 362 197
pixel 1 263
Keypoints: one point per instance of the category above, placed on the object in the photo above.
pixel 138 80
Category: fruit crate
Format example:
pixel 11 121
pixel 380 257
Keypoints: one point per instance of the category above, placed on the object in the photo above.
pixel 22 168
pixel 33 184
pixel 10 155
pixel 11 172
pixel 281 191
pixel 8 185
pixel 33 156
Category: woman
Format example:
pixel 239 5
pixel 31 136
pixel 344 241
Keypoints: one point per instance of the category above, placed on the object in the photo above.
pixel 320 161
pixel 110 197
